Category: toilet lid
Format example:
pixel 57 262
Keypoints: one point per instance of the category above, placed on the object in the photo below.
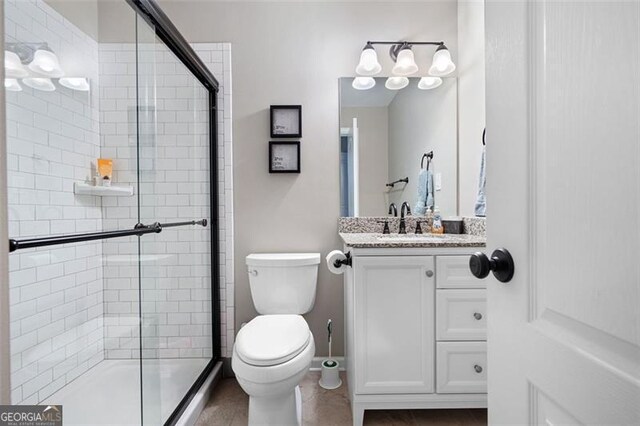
pixel 272 339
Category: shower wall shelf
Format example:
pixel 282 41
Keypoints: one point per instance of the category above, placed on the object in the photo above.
pixel 82 188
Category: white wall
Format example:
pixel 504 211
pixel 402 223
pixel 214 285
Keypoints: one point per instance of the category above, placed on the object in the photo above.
pixel 471 99
pixel 373 130
pixel 421 121
pixel 294 53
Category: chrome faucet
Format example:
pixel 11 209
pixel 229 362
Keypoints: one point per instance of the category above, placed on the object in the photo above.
pixel 394 209
pixel 403 229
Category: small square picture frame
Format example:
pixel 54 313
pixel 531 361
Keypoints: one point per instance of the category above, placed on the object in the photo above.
pixel 284 157
pixel 286 121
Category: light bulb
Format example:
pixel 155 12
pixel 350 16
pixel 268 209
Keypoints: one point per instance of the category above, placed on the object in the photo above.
pixel 427 83
pixel 363 83
pixel 75 83
pixel 13 67
pixel 12 85
pixel 405 62
pixel 442 64
pixel 46 63
pixel 396 83
pixel 39 83
pixel 368 64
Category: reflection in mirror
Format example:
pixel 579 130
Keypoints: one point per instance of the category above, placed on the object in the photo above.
pixel 383 137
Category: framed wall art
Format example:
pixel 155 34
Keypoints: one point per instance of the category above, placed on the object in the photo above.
pixel 284 157
pixel 286 121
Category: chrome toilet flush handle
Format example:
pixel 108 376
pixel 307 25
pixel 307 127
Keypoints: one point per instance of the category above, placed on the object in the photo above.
pixel 252 272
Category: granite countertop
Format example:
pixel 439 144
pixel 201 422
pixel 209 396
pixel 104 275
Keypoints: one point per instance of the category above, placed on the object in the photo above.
pixel 371 240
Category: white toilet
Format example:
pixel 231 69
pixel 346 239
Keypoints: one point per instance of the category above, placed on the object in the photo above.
pixel 273 352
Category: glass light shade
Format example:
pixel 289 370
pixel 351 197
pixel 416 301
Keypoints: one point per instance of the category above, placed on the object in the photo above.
pixel 428 83
pixel 46 63
pixel 368 64
pixel 12 85
pixel 442 64
pixel 39 83
pixel 405 63
pixel 363 83
pixel 13 67
pixel 396 83
pixel 75 83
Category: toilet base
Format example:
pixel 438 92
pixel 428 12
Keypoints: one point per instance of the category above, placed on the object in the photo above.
pixel 281 410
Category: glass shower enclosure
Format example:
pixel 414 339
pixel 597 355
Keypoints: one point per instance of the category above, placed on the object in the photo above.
pixel 113 270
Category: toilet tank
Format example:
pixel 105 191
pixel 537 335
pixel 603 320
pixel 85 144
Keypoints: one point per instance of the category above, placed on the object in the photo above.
pixel 283 283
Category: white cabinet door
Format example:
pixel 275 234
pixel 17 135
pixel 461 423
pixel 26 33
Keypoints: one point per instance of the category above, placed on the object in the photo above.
pixel 563 191
pixel 394 324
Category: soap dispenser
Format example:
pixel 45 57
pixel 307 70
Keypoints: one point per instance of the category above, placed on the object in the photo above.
pixel 436 227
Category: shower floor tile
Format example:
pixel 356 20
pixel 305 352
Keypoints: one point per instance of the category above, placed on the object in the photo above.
pixel 109 393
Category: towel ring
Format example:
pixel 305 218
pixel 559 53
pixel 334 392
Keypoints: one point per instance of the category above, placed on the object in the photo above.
pixel 429 157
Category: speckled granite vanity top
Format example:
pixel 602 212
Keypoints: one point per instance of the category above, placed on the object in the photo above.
pixel 367 240
pixel 366 232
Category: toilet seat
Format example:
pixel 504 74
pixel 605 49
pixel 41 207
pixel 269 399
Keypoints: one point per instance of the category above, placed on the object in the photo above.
pixel 269 340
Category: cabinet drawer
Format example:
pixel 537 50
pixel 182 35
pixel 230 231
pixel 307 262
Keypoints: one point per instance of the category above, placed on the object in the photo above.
pixel 461 315
pixel 454 272
pixel 461 367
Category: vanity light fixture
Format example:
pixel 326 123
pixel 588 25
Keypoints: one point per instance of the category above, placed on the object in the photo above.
pixel 363 83
pixel 46 62
pixel 368 64
pixel 396 83
pixel 405 62
pixel 39 83
pixel 401 53
pixel 12 85
pixel 37 57
pixel 442 64
pixel 428 83
pixel 75 83
pixel 13 67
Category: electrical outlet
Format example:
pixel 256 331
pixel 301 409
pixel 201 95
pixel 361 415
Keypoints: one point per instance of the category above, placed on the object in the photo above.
pixel 438 182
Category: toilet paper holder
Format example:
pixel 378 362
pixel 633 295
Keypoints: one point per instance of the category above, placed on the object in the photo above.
pixel 339 262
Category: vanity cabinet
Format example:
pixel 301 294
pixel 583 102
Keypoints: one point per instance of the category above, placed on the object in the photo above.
pixel 394 340
pixel 415 330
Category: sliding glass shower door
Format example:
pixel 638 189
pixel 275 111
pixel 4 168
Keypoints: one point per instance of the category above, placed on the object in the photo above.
pixel 113 282
pixel 175 265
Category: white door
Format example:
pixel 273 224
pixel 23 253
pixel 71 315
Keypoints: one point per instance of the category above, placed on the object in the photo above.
pixel 394 324
pixel 563 196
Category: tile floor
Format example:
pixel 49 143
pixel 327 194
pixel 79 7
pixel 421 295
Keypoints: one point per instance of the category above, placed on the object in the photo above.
pixel 229 405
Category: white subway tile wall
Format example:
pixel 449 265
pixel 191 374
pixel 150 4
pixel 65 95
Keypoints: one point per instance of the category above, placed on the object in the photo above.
pixel 74 305
pixel 52 138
